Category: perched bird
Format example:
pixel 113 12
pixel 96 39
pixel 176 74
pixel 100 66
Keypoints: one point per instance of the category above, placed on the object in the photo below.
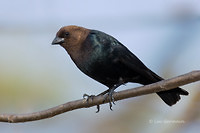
pixel 105 59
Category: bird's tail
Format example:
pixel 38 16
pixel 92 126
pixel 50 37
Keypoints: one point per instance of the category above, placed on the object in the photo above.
pixel 170 97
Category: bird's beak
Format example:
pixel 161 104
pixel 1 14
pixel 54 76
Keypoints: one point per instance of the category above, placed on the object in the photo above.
pixel 58 40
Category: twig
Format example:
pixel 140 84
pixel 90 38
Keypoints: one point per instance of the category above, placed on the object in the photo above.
pixel 83 103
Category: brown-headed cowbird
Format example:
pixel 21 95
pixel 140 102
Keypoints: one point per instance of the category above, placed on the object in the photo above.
pixel 105 59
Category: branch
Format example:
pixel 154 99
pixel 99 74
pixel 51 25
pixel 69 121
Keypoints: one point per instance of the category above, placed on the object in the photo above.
pixel 82 103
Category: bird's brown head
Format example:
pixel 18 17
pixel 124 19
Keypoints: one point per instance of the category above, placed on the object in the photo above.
pixel 71 37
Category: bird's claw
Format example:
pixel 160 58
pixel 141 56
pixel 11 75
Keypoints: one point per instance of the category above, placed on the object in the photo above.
pixel 109 96
pixel 88 97
pixel 111 99
pixel 98 108
pixel 110 105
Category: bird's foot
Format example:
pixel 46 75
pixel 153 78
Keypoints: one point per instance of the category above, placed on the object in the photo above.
pixel 109 95
pixel 111 98
pixel 88 97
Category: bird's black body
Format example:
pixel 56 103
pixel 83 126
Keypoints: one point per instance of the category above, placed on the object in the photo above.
pixel 110 62
pixel 106 60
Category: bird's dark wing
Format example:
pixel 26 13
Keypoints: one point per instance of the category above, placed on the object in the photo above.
pixel 170 97
pixel 119 54
pixel 128 59
pixel 116 49
pixel 128 62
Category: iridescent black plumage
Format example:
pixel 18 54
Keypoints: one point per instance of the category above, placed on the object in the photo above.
pixel 106 60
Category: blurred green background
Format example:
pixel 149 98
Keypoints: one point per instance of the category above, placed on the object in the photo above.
pixel 34 75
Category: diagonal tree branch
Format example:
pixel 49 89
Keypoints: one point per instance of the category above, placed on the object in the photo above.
pixel 83 103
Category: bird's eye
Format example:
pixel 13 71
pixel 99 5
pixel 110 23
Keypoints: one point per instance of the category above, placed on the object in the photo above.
pixel 66 34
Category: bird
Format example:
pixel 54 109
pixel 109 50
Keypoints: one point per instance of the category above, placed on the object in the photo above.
pixel 106 60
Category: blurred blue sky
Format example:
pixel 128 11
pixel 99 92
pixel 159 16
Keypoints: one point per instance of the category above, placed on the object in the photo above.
pixel 35 75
